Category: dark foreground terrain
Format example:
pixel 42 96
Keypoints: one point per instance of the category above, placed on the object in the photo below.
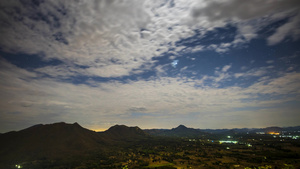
pixel 62 145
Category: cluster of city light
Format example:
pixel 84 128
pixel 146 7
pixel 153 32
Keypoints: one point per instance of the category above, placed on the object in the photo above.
pixel 18 166
pixel 274 133
pixel 226 141
pixel 260 132
pixel 290 136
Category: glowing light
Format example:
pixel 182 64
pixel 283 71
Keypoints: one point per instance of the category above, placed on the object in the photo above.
pixel 222 141
pixel 273 133
pixel 18 166
pixel 174 63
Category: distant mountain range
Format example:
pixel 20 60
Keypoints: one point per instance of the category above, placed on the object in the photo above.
pixel 180 131
pixel 183 131
pixel 254 130
pixel 58 140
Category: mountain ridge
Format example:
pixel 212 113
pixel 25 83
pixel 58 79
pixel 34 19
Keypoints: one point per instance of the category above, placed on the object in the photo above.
pixel 124 133
pixel 49 141
pixel 179 131
pixel 59 140
pixel 179 126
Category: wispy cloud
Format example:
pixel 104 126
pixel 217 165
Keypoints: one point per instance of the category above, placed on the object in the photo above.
pixel 290 29
pixel 248 17
pixel 256 72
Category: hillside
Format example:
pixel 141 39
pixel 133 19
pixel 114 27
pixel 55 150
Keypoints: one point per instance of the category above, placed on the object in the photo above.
pixel 119 133
pixel 48 141
pixel 60 140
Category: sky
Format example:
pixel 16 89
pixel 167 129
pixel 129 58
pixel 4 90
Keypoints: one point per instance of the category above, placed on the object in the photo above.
pixel 150 63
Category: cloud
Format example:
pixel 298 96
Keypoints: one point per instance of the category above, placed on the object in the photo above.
pixel 256 72
pixel 111 38
pixel 115 38
pixel 250 17
pixel 60 71
pixel 121 38
pixel 39 97
pixel 226 68
pixel 237 10
pixel 137 109
pixel 290 29
pixel 287 84
pixel 99 34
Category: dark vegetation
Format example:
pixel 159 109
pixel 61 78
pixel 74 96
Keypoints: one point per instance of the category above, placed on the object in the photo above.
pixel 62 145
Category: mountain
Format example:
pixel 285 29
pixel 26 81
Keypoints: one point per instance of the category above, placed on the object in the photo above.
pixel 123 133
pixel 61 140
pixel 183 131
pixel 48 141
pixel 180 131
pixel 291 129
pixel 252 130
pixel 180 128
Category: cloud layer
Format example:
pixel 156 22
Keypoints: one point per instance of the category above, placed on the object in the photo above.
pixel 24 98
pixel 111 39
pixel 114 38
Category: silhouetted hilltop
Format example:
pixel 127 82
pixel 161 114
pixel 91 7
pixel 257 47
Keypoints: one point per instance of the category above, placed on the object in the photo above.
pixel 122 132
pixel 180 128
pixel 61 140
pixel 180 131
pixel 48 141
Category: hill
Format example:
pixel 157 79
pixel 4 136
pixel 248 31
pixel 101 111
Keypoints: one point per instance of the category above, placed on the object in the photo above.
pixel 180 131
pixel 48 141
pixel 60 140
pixel 123 133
